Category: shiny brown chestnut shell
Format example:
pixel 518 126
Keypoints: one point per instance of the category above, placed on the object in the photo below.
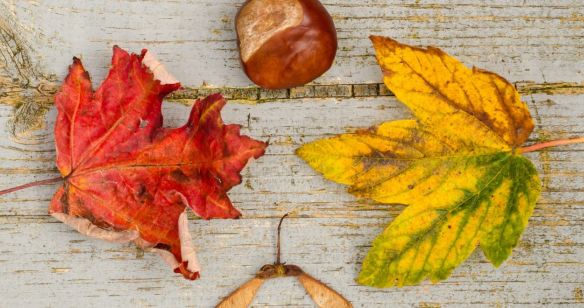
pixel 285 43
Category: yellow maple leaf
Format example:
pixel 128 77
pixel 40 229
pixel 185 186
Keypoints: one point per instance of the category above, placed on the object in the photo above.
pixel 457 166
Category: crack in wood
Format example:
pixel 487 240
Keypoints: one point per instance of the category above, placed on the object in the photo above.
pixel 258 95
pixel 365 90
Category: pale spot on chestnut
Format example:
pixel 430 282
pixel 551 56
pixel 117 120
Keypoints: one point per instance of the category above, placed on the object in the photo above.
pixel 260 20
pixel 285 43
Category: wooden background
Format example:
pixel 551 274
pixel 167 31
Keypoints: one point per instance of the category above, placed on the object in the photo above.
pixel 537 44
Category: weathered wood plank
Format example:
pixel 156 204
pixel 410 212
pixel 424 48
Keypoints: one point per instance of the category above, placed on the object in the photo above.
pixel 45 263
pixel 31 157
pixel 49 265
pixel 536 40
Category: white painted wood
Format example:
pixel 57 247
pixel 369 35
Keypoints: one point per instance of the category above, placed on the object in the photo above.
pixel 538 40
pixel 45 264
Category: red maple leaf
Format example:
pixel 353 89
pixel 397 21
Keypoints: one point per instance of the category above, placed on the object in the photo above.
pixel 128 179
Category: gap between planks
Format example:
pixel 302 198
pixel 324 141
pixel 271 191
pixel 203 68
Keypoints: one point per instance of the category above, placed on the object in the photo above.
pixel 254 95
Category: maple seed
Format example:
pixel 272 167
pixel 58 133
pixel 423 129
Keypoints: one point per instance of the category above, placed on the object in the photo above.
pixel 125 177
pixel 458 166
pixel 322 295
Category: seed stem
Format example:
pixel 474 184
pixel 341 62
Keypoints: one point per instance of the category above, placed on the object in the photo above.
pixel 554 143
pixel 32 184
pixel 278 243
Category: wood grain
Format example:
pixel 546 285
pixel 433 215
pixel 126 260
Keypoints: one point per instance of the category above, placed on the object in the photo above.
pixel 329 237
pixel 537 44
pixel 535 40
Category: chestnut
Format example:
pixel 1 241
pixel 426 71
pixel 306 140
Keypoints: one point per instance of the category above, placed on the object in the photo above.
pixel 285 43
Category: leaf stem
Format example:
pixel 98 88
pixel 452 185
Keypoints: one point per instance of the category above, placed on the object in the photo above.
pixel 32 184
pixel 554 143
pixel 278 243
